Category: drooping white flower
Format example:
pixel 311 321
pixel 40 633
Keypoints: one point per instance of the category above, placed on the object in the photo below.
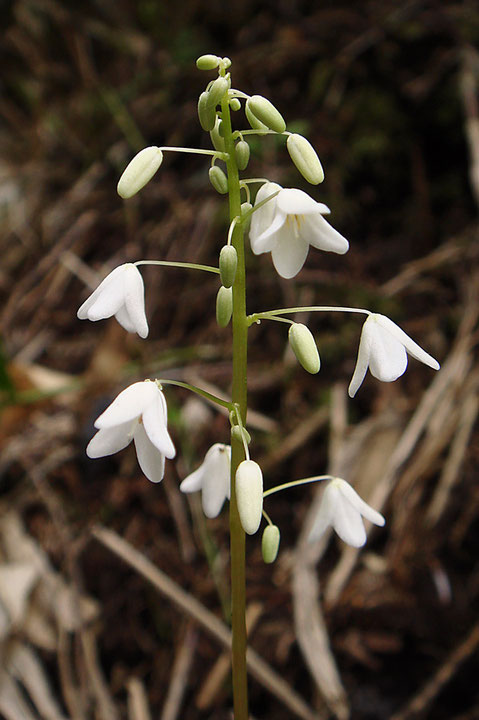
pixel 212 478
pixel 121 294
pixel 343 509
pixel 383 349
pixel 288 224
pixel 138 413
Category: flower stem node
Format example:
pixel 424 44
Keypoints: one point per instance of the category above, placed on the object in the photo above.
pixel 217 90
pixel 208 62
pixel 139 171
pixel 264 111
pixel 249 495
pixel 228 264
pixel 242 152
pixel 270 543
pixel 304 347
pixel 224 306
pixel 212 478
pixel 206 112
pixel 240 434
pixel 343 509
pixel 218 179
pixel 305 158
pixel 122 294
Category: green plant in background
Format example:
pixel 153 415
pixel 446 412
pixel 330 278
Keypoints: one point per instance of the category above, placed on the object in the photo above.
pixel 284 222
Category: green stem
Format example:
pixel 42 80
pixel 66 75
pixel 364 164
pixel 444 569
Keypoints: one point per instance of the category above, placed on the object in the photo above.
pixel 239 398
pixel 208 396
pixel 295 483
pixel 270 314
pixel 184 265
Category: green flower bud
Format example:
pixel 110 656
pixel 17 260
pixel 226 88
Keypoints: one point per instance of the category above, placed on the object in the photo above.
pixel 253 121
pixel 217 90
pixel 218 179
pixel 224 306
pixel 139 171
pixel 228 264
pixel 304 347
pixel 305 158
pixel 245 208
pixel 206 112
pixel 270 543
pixel 249 495
pixel 207 62
pixel 235 104
pixel 266 113
pixel 216 139
pixel 242 154
pixel 236 433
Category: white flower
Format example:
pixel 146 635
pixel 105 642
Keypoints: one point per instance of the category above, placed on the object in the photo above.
pixel 138 413
pixel 383 348
pixel 121 294
pixel 287 225
pixel 212 478
pixel 342 508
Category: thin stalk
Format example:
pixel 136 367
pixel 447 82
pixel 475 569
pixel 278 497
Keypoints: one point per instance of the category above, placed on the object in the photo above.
pixel 239 397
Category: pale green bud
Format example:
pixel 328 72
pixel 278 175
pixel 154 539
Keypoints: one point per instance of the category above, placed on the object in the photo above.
pixel 236 433
pixel 226 62
pixel 304 347
pixel 242 154
pixel 249 495
pixel 216 139
pixel 207 62
pixel 228 264
pixel 270 543
pixel 224 306
pixel 266 113
pixel 235 104
pixel 218 179
pixel 305 158
pixel 245 208
pixel 206 112
pixel 253 121
pixel 139 171
pixel 217 90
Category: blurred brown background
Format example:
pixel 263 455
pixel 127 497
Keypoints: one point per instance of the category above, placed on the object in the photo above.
pixel 387 93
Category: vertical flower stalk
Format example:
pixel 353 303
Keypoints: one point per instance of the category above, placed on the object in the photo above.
pixel 239 398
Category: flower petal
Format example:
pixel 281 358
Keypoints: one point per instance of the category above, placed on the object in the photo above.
pixel 362 362
pixel 155 419
pixel 267 240
pixel 135 299
pixel 388 357
pixel 412 347
pixel 150 459
pixel 123 318
pixel 193 482
pixel 292 201
pixel 110 440
pixel 321 235
pixel 289 253
pixel 358 503
pixel 216 479
pixel 324 516
pixel 112 277
pixel 262 218
pixel 129 404
pixel 347 522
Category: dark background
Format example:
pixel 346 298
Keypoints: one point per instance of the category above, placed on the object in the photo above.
pixel 387 94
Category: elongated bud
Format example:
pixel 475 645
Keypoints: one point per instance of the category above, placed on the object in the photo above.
pixel 207 62
pixel 245 208
pixel 249 495
pixel 270 543
pixel 235 104
pixel 304 347
pixel 266 113
pixel 253 121
pixel 139 171
pixel 242 154
pixel 217 90
pixel 228 265
pixel 224 306
pixel 237 433
pixel 216 139
pixel 206 112
pixel 218 179
pixel 305 158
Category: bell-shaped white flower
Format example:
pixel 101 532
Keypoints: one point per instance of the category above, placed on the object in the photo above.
pixel 138 413
pixel 288 224
pixel 212 478
pixel 343 509
pixel 121 294
pixel 383 349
